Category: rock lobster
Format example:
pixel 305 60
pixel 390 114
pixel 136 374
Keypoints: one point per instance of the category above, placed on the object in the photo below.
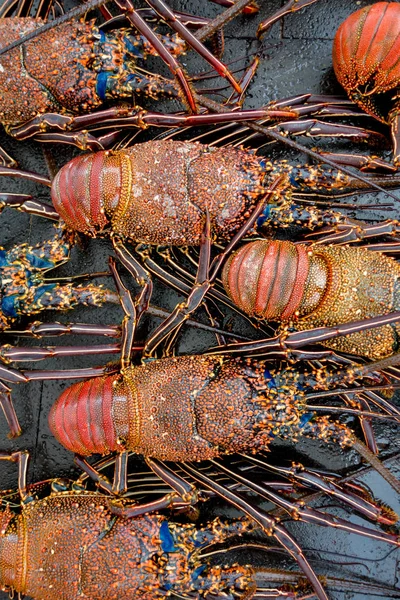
pixel 89 66
pixel 160 193
pixel 65 534
pixel 316 285
pixel 365 59
pixel 196 408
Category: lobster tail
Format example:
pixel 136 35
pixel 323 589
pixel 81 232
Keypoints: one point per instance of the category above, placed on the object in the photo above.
pixel 81 418
pixel 275 280
pixel 87 189
pixel 365 55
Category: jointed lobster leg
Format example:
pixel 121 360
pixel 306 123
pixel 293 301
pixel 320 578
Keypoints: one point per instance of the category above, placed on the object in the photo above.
pixel 183 494
pixel 269 525
pixel 133 309
pixel 308 514
pixel 59 125
pixel 165 13
pixel 290 7
pixel 22 458
pixel 299 474
pixel 356 231
pixel 205 274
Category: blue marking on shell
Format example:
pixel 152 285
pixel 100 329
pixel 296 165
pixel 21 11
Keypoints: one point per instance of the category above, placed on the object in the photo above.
pixel 304 419
pixel 8 305
pixel 197 572
pixel 167 540
pixel 270 380
pixel 264 215
pixel 39 262
pixel 131 47
pixel 3 258
pixel 43 289
pixel 101 85
pixel 292 179
pixel 29 276
pixel 167 586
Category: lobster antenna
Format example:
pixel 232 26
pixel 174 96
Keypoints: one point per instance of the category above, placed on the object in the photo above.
pixel 215 107
pixel 374 461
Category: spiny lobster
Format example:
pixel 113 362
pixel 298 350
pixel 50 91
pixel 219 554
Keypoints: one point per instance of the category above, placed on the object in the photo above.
pixel 87 67
pixel 316 285
pixel 365 59
pixel 162 192
pixel 64 541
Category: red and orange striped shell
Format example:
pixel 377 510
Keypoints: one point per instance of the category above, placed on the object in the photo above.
pixel 271 279
pixel 366 56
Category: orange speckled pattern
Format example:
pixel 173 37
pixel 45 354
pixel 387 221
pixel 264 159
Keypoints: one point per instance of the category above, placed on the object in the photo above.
pixel 48 74
pixel 182 408
pixel 198 407
pixel 65 542
pixel 173 183
pixel 366 54
pixel 158 192
pixel 70 546
pixel 332 285
pixel 362 284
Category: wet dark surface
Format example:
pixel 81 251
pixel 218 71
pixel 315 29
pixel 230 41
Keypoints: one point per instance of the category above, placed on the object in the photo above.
pixel 297 59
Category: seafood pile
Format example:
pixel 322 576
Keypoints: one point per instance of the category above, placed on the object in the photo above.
pixel 196 233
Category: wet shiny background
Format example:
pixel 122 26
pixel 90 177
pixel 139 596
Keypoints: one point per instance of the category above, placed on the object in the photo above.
pixel 296 59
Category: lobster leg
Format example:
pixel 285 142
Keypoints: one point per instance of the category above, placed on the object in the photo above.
pixel 165 13
pixel 360 403
pixel 298 474
pixel 6 159
pixel 290 7
pixel 33 354
pixel 182 311
pixel 9 411
pixel 316 128
pixel 354 231
pixel 133 309
pixel 308 514
pixel 10 172
pixel 288 341
pixel 206 274
pixel 366 164
pixel 25 203
pixel 115 117
pixel 183 494
pixel 269 525
pixel 136 20
pixel 22 458
pixel 250 8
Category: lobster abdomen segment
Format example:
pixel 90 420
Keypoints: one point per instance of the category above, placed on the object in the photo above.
pixel 318 286
pixel 275 280
pixel 82 420
pixel 182 408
